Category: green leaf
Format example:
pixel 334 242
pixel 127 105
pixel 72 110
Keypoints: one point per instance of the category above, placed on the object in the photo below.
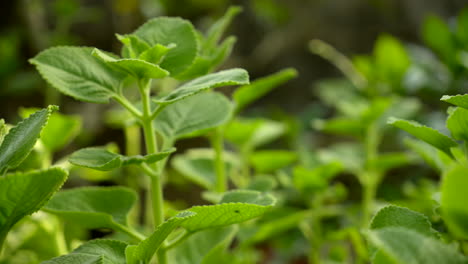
pixel 168 30
pixel 133 46
pixel 460 100
pixel 156 54
pixel 205 247
pixel 395 216
pixel 103 160
pixel 76 72
pixel 426 134
pixel 435 158
pixel 145 250
pixel 198 166
pixel 245 95
pixel 216 31
pixel 20 140
pixel 271 160
pixel 59 131
pixel 137 68
pixel 405 246
pixel 213 80
pixel 454 207
pixel 94 207
pixel 193 115
pixel 235 207
pixel 22 194
pixel 99 251
pixel 457 123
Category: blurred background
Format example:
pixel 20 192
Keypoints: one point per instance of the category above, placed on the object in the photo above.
pixel 271 34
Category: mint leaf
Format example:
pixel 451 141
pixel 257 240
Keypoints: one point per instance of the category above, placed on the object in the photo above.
pixel 460 100
pixel 99 251
pixel 204 247
pixel 193 115
pixel 457 123
pixel 76 72
pixel 210 81
pixel 235 207
pixel 272 160
pixel 454 209
pixel 144 251
pixel 426 134
pixel 405 246
pixel 20 140
pixel 137 68
pixel 94 207
pixel 168 30
pixel 395 216
pixel 103 160
pixel 22 194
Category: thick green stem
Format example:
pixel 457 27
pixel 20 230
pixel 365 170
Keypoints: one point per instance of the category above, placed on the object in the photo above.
pixel 368 202
pixel 217 143
pixel 156 192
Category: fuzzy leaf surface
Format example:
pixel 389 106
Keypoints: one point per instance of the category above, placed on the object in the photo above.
pixel 457 123
pixel 99 251
pixel 453 201
pixel 166 31
pixel 145 250
pixel 460 100
pixel 93 207
pixel 235 207
pixel 405 246
pixel 76 72
pixel 195 114
pixel 209 81
pixel 22 194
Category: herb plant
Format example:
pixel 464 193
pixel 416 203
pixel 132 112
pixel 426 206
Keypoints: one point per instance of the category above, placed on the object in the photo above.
pixel 167 48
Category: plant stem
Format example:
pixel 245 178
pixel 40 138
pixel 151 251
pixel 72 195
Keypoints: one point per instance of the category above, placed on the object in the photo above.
pixel 217 143
pixel 130 232
pixel 156 191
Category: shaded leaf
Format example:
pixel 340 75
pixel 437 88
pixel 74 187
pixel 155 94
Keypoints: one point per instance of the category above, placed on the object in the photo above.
pixel 395 216
pixel 405 246
pixel 103 160
pixel 99 251
pixel 137 68
pixel 453 201
pixel 457 123
pixel 205 247
pixel 145 250
pixel 93 207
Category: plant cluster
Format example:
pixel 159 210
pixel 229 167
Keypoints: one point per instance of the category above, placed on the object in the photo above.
pixel 259 196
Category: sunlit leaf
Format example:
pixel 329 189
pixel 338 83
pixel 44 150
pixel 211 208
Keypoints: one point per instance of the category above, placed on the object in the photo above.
pixel 20 140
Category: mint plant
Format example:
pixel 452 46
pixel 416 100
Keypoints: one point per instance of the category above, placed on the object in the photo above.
pixel 150 54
